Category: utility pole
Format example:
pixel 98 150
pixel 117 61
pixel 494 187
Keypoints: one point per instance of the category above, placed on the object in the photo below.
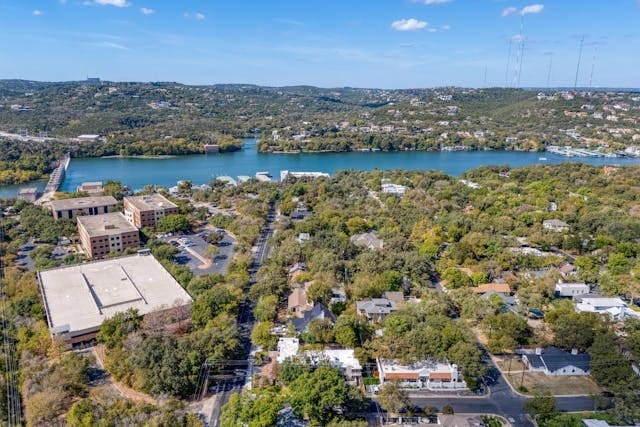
pixel 575 83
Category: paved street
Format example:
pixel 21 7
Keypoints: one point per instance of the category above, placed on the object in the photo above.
pixel 245 322
pixel 501 401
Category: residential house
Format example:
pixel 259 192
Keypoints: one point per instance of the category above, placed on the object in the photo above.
pixel 555 225
pixel 498 288
pixel 396 189
pixel 318 312
pixel 571 290
pixel 298 302
pixel 367 240
pixel 395 296
pixel 338 295
pixel 566 269
pixel 510 302
pixel 426 374
pixel 375 309
pixel 343 359
pixel 287 348
pixel 614 307
pixel 554 361
pixel 296 270
pixel 303 237
pixel 590 422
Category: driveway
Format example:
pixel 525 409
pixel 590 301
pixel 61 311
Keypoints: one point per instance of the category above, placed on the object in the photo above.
pixel 193 256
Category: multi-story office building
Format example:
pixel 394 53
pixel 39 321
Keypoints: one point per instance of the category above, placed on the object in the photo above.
pixel 145 211
pixel 69 208
pixel 103 234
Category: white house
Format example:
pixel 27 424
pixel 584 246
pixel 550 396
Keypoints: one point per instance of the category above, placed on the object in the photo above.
pixel 396 189
pixel 571 290
pixel 426 374
pixel 555 225
pixel 614 307
pixel 554 361
pixel 343 359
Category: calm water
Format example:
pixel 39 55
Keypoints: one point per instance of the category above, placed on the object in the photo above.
pixel 201 169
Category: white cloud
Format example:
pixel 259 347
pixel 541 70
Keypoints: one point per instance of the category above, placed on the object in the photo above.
pixel 116 3
pixel 532 9
pixel 410 24
pixel 146 11
pixel 509 11
pixel 199 16
pixel 429 2
pixel 37 12
pixel 110 45
pixel 446 27
pixel 431 30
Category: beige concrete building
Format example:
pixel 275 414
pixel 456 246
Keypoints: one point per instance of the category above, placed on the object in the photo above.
pixel 103 234
pixel 79 298
pixel 28 194
pixel 94 188
pixel 145 211
pixel 81 206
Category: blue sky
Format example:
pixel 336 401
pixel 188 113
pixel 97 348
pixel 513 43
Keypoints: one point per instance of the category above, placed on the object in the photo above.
pixel 375 43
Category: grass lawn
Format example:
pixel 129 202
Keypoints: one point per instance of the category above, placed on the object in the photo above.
pixel 509 363
pixel 556 385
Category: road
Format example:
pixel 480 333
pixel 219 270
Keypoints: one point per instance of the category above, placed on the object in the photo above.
pixel 245 322
pixel 502 400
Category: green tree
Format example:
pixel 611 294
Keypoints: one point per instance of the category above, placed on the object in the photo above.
pixel 542 406
pixel 456 278
pixel 290 369
pixel 114 330
pixel 266 308
pixel 469 358
pixel 319 331
pixel 261 335
pixel 214 301
pixel 393 399
pixel 173 223
pixel 505 331
pixel 588 269
pixel 319 395
pixel 618 264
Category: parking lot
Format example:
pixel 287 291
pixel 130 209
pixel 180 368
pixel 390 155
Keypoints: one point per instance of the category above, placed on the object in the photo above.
pixel 192 252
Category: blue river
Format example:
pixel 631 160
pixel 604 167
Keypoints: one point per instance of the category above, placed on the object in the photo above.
pixel 201 169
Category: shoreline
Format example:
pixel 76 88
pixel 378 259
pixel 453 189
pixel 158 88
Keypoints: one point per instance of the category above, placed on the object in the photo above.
pixel 158 157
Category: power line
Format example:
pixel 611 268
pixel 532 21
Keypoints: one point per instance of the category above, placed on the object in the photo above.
pixel 575 83
pixel 549 72
pixel 14 406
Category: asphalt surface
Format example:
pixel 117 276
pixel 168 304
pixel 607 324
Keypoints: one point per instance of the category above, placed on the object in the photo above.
pixel 220 261
pixel 501 400
pixel 245 323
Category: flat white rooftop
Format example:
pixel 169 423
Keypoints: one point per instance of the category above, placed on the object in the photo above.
pixel 79 298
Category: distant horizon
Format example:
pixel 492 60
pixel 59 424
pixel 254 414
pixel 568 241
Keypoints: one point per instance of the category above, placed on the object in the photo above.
pixel 329 43
pixel 530 88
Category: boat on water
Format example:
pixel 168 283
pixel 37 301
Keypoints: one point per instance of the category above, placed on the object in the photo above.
pixel 542 159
